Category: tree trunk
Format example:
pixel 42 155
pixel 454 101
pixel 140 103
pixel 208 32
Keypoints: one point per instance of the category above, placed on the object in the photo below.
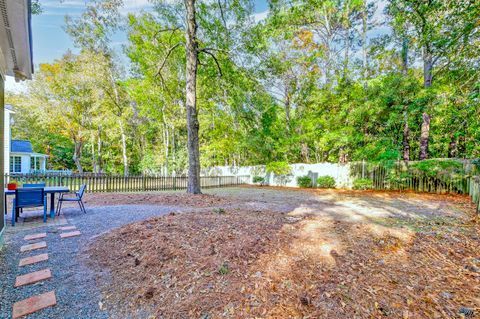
pixel 452 147
pixel 406 129
pixel 99 153
pixel 119 114
pixel 347 54
pixel 305 153
pixel 94 158
pixel 166 140
pixel 328 44
pixel 174 146
pixel 427 82
pixel 124 149
pixel 193 186
pixel 328 75
pixel 347 41
pixel 166 143
pixel 287 109
pixel 406 134
pixel 424 136
pixel 342 155
pixel 77 154
pixel 364 45
pixel 405 56
pixel 427 67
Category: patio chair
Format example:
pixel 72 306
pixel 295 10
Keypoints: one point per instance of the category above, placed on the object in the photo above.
pixel 78 198
pixel 29 197
pixel 30 186
pixel 34 185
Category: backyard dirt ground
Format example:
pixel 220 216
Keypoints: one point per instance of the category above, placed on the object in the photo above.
pixel 286 253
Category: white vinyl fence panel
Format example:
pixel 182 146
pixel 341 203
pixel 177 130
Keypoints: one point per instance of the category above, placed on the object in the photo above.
pixel 340 172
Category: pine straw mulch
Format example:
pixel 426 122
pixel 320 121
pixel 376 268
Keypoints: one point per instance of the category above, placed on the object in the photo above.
pixel 156 198
pixel 241 264
pixel 459 200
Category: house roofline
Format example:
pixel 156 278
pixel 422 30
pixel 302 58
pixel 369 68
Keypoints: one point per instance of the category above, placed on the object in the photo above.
pixel 16 39
pixel 30 153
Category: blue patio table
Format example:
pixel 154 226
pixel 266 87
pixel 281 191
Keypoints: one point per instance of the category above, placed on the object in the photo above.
pixel 48 190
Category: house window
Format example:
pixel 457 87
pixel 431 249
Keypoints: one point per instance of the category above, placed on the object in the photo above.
pixel 33 163
pixel 15 164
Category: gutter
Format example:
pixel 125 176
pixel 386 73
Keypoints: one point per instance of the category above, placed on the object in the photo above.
pixel 3 9
pixel 30 38
pixel 19 75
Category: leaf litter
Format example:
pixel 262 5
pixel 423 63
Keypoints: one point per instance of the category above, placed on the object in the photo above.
pixel 239 263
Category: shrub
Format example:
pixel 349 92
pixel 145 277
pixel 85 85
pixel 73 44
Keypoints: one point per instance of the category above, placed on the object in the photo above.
pixel 362 183
pixel 278 168
pixel 326 182
pixel 14 181
pixel 258 179
pixel 304 181
pixel 436 168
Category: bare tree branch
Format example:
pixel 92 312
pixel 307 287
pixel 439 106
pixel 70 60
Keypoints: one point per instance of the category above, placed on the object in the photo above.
pixel 223 19
pixel 214 49
pixel 162 65
pixel 207 51
pixel 162 80
pixel 165 30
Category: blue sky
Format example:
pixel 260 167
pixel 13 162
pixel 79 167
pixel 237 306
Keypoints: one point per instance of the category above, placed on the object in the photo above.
pixel 50 41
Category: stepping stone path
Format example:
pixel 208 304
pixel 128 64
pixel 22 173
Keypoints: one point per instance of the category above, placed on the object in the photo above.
pixel 67 228
pixel 70 234
pixel 34 304
pixel 33 260
pixel 39 245
pixel 35 236
pixel 48 299
pixel 33 277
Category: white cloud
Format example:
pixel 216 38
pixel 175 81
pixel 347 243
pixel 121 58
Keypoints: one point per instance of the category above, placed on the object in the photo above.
pixel 136 4
pixel 133 6
pixel 260 16
pixel 67 4
pixel 74 7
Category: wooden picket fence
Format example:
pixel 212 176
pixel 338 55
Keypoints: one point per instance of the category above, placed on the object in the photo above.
pixel 403 179
pixel 474 191
pixel 115 183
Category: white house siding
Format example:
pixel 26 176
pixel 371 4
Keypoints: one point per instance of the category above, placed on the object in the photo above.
pixel 25 163
pixel 2 132
pixel 25 168
pixel 6 138
pixel 340 172
pixel 15 60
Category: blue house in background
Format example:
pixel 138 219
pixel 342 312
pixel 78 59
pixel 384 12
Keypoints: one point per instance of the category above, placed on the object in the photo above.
pixel 19 156
pixel 24 160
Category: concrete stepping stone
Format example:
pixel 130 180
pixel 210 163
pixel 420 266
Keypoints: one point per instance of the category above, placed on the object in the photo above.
pixel 29 247
pixel 33 277
pixel 33 260
pixel 35 236
pixel 67 228
pixel 34 304
pixel 70 234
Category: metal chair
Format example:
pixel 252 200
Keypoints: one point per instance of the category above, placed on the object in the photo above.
pixel 78 198
pixel 29 197
pixel 34 186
